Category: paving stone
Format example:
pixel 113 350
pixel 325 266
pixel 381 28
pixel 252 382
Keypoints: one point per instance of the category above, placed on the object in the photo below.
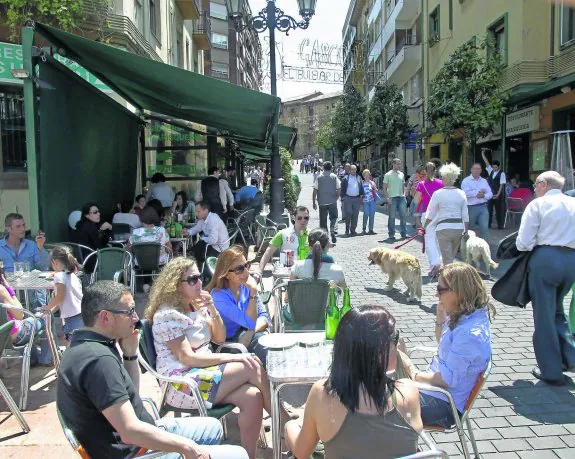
pixel 508 445
pixel 569 440
pixel 485 423
pixel 515 432
pixel 546 442
pixel 546 454
pixel 565 453
pixel 549 430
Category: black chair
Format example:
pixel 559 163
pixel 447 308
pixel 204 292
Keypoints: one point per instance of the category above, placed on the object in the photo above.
pixel 121 231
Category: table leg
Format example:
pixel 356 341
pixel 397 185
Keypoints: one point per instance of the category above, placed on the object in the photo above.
pixel 276 429
pixel 26 301
pixel 185 247
pixel 52 341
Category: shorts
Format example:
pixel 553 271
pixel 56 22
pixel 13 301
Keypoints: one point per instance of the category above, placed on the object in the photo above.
pixel 208 380
pixel 70 324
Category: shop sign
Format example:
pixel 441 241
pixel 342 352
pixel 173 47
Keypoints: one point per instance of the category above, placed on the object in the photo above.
pixel 82 73
pixel 10 58
pixel 311 75
pixel 522 121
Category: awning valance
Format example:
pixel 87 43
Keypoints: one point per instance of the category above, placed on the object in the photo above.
pixel 162 88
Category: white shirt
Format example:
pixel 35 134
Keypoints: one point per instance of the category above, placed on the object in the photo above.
pixel 72 304
pixel 303 269
pixel 548 220
pixel 161 191
pixel 448 203
pixel 215 232
pixel 352 185
pixel 502 178
pixel 129 219
pixel 471 187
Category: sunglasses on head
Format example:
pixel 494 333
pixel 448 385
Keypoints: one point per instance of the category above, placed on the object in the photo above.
pixel 241 268
pixel 299 217
pixel 192 280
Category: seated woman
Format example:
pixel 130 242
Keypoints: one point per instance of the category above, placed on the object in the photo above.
pixel 184 321
pixel 318 264
pixel 22 329
pixel 235 295
pixel 89 231
pixel 183 206
pixel 139 204
pixel 360 411
pixel 151 232
pixel 462 331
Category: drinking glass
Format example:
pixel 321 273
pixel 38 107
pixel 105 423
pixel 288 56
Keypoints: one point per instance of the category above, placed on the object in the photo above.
pixel 18 269
pixel 25 267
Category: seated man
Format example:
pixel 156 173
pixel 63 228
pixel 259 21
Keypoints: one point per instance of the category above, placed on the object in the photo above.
pixel 214 232
pixel 247 192
pixel 97 394
pixel 292 238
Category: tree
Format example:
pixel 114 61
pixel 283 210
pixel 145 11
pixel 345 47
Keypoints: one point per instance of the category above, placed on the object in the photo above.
pixel 465 98
pixel 387 120
pixel 348 123
pixel 325 137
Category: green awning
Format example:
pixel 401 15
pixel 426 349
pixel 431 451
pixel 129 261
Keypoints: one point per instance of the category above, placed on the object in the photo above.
pixel 287 137
pixel 162 88
pixel 252 151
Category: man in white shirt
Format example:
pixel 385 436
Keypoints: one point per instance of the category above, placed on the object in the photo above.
pixel 352 192
pixel 214 232
pixel 548 229
pixel 160 190
pixel 478 193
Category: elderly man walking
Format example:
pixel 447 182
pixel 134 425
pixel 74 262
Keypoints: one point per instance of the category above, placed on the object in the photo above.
pixel 478 194
pixel 352 193
pixel 547 230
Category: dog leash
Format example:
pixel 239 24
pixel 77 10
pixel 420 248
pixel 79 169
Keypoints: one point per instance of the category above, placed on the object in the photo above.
pixel 419 232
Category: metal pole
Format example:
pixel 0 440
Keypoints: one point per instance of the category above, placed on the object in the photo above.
pixel 277 182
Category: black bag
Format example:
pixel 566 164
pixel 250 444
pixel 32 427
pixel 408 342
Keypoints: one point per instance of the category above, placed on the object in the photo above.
pixel 512 288
pixel 507 248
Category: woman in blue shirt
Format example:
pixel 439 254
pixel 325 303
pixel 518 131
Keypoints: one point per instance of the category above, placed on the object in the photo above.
pixel 464 343
pixel 235 294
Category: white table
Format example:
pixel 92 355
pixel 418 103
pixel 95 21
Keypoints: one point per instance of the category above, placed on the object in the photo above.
pixel 184 241
pixel 300 364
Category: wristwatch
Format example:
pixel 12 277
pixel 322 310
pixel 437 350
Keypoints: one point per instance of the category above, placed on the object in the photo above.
pixel 130 358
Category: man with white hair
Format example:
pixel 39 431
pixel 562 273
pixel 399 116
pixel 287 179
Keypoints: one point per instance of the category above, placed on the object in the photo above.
pixel 547 230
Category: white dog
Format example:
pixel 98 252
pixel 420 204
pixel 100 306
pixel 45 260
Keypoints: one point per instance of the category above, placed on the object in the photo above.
pixel 396 265
pixel 474 249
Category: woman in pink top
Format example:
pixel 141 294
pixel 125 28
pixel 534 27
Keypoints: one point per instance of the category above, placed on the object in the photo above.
pixel 425 190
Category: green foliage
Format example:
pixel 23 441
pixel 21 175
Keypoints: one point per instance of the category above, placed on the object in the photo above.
pixel 348 122
pixel 325 137
pixel 291 187
pixel 465 99
pixel 387 120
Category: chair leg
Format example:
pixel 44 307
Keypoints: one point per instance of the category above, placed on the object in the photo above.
pixel 13 407
pixel 463 441
pixel 427 439
pixel 505 221
pixel 224 423
pixel 472 438
pixel 25 378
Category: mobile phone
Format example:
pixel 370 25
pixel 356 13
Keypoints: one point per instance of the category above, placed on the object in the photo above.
pixel 138 325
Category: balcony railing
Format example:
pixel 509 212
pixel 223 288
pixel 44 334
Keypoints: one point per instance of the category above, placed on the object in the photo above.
pixel 202 31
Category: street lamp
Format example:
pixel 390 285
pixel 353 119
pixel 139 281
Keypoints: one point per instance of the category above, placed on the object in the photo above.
pixel 271 18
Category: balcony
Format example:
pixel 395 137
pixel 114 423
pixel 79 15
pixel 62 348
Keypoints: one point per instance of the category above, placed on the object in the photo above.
pixel 375 10
pixel 189 9
pixel 202 32
pixel 406 12
pixel 402 66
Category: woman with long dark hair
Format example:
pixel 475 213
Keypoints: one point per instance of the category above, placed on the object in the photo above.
pixel 318 264
pixel 360 411
pixel 90 231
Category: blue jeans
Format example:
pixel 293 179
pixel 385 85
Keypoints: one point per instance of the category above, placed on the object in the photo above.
pixel 204 431
pixel 43 357
pixel 479 216
pixel 368 213
pixel 435 411
pixel 398 204
pixel 71 324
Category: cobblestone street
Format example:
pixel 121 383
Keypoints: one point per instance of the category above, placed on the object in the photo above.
pixel 516 415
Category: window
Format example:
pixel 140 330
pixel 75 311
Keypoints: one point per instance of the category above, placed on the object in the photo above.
pixel 567 24
pixel 218 11
pixel 221 70
pixel 139 15
pixel 450 14
pixel 219 40
pixel 434 26
pixel 12 133
pixel 497 34
pixel 155 19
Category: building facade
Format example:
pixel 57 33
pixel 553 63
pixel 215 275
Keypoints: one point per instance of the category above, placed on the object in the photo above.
pixel 535 41
pixel 176 32
pixel 383 45
pixel 235 56
pixel 307 114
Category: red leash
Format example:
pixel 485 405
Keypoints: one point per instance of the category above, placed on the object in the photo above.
pixel 419 232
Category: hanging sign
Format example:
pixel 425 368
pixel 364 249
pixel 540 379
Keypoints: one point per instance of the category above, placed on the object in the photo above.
pixel 311 75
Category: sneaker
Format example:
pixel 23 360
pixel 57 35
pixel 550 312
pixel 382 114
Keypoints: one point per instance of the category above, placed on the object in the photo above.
pixel 333 238
pixel 146 288
pixel 371 232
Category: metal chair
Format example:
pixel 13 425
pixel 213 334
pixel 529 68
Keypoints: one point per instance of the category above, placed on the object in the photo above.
pixel 459 421
pixel 515 206
pixel 244 224
pixel 146 260
pixel 266 229
pixel 121 231
pixel 307 299
pixel 4 340
pixel 231 240
pixel 80 252
pixel 26 349
pixel 113 264
pixel 434 453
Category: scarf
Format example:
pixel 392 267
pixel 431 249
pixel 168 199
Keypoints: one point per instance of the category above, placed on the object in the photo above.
pixel 324 258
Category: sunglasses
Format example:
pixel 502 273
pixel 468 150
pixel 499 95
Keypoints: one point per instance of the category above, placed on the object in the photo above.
pixel 241 268
pixel 302 218
pixel 127 312
pixel 395 337
pixel 94 212
pixel 192 280
pixel 441 290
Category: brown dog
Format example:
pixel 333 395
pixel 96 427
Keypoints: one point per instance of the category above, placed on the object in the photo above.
pixel 398 265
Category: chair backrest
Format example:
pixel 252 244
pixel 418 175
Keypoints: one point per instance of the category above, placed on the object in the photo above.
pixel 121 231
pixel 72 438
pixel 79 251
pixel 147 255
pixel 246 218
pixel 515 205
pixel 5 333
pixel 110 261
pixel 257 203
pixel 477 388
pixel 211 264
pixel 147 348
pixel 307 300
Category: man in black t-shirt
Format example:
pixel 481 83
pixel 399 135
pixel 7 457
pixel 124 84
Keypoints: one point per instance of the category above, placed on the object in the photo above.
pixel 97 394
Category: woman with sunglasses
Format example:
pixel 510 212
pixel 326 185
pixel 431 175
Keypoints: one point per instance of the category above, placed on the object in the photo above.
pixel 360 411
pixel 235 294
pixel 184 322
pixel 464 343
pixel 89 231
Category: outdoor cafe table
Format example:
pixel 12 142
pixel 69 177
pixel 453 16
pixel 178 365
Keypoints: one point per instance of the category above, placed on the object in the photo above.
pixel 184 241
pixel 297 358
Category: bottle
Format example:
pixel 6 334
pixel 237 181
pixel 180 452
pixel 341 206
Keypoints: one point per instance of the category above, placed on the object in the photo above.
pixel 332 315
pixel 346 302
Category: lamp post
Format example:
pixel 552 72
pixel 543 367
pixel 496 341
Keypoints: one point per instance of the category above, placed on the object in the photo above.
pixel 271 18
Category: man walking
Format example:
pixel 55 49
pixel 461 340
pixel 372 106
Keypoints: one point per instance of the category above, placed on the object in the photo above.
pixel 478 194
pixel 547 230
pixel 393 183
pixel 345 173
pixel 352 192
pixel 497 182
pixel 325 191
